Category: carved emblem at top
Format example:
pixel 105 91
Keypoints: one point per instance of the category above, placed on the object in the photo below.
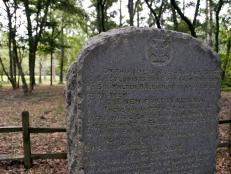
pixel 159 51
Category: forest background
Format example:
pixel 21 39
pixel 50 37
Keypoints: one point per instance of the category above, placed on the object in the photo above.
pixel 39 39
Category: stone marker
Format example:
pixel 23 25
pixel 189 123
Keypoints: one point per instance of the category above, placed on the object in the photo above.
pixel 143 101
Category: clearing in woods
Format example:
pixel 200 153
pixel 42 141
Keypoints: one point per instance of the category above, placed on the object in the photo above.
pixel 46 107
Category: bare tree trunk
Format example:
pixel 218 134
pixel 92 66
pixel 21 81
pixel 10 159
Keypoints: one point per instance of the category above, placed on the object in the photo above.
pixel 34 39
pixel 217 31
pixel 184 18
pixel 210 40
pixel 5 71
pixel 19 65
pixel 183 8
pixel 13 49
pixel 102 8
pixel 12 68
pixel 40 72
pixel 157 18
pixel 196 13
pixel 131 12
pixel 226 58
pixel 138 19
pixel 51 68
pixel 174 19
pixel 62 56
pixel 61 66
pixel 121 13
pixel 98 16
pixel 32 53
pixel 206 21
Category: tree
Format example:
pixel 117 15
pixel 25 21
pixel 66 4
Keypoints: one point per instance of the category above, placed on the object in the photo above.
pixel 132 9
pixel 120 12
pixel 227 57
pixel 191 25
pixel 131 12
pixel 160 10
pixel 103 21
pixel 11 10
pixel 174 18
pixel 217 10
pixel 36 15
pixel 210 22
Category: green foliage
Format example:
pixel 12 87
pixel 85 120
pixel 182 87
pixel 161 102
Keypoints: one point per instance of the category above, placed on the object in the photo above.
pixel 226 84
pixel 69 24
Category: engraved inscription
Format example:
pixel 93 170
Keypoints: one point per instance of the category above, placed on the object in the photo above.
pixel 143 102
pixel 141 128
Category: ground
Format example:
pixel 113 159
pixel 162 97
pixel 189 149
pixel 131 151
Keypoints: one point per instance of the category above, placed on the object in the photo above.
pixel 46 107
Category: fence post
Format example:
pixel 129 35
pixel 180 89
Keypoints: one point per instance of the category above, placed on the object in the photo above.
pixel 26 140
pixel 229 140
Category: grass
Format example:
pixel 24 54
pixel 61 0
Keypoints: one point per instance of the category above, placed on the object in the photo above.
pixel 45 80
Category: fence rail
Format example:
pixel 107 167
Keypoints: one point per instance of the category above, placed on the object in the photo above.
pixel 225 122
pixel 28 157
pixel 26 130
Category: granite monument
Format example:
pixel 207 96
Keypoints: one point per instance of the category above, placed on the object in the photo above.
pixel 143 101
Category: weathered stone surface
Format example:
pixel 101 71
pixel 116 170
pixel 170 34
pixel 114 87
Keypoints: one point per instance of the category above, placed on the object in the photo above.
pixel 143 101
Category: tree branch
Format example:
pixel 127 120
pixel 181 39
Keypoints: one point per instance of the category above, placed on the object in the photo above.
pixel 4 69
pixel 43 21
pixel 184 18
pixel 196 13
pixel 154 13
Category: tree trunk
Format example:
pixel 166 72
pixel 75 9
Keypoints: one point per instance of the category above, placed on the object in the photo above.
pixel 157 18
pixel 13 50
pixel 32 53
pixel 120 13
pixel 174 19
pixel 217 13
pixel 226 58
pixel 34 39
pixel 102 6
pixel 131 12
pixel 18 81
pixel 183 7
pixel 61 66
pixel 12 66
pixel 40 72
pixel 210 40
pixel 196 13
pixel 5 71
pixel 98 11
pixel 207 21
pixel 51 69
pixel 184 18
pixel 62 54
pixel 19 65
pixel 15 71
pixel 138 19
pixel 24 84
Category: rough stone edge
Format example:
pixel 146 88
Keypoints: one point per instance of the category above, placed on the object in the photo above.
pixel 103 37
pixel 70 104
pixel 100 40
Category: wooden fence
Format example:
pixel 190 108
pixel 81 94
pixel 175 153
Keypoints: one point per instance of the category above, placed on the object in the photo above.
pixel 28 157
pixel 26 131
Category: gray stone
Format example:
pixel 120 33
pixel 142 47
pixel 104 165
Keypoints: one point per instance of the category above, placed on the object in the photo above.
pixel 143 101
